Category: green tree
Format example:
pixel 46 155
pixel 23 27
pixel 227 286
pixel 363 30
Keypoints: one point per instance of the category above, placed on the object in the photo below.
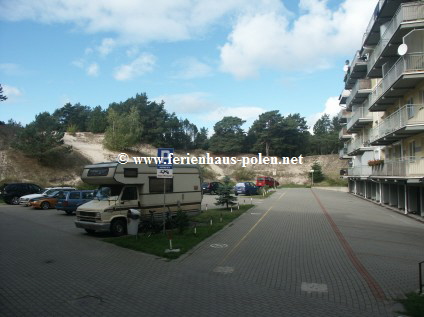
pixel 41 139
pixel 2 97
pixel 265 132
pixel 229 136
pixel 123 130
pixel 225 196
pixel 318 176
pixel 201 140
pixel 76 115
pixel 97 120
pixel 323 125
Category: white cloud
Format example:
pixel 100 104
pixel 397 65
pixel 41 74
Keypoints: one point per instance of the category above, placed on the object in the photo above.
pixel 270 40
pixel 135 21
pixel 11 69
pixel 188 103
pixel 11 92
pixel 106 46
pixel 93 70
pixel 191 67
pixel 332 108
pixel 141 65
pixel 246 113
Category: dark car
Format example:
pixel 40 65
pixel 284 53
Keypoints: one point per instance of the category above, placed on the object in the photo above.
pixel 13 191
pixel 211 188
pixel 74 199
pixel 247 188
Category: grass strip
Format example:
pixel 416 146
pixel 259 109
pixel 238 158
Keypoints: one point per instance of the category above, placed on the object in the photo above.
pixel 156 244
pixel 413 305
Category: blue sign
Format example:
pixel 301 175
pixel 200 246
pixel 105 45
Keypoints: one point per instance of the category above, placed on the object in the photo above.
pixel 166 155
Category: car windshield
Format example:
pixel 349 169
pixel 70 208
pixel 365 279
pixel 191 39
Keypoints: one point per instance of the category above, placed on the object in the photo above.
pixel 108 192
pixel 53 193
pixel 49 192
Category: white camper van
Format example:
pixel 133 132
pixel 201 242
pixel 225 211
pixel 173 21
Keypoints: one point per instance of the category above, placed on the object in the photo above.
pixel 135 186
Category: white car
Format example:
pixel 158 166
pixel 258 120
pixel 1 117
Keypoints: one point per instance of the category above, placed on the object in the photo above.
pixel 24 200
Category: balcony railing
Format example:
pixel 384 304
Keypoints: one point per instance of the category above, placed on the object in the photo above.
pixel 356 144
pixel 407 12
pixel 408 166
pixel 343 115
pixel 373 19
pixel 343 134
pixel 407 115
pixel 361 170
pixel 359 113
pixel 406 64
pixel 361 84
pixel 343 153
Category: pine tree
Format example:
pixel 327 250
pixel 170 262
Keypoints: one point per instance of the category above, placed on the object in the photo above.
pixel 225 196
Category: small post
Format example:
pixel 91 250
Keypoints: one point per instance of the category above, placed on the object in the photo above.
pixel 195 229
pixel 238 206
pixel 420 276
pixel 206 207
pixel 231 209
pixel 210 221
pixel 220 218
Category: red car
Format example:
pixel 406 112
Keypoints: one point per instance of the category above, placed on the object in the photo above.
pixel 266 181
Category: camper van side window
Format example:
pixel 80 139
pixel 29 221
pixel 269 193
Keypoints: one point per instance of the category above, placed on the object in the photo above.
pixel 130 193
pixel 98 171
pixel 130 172
pixel 156 185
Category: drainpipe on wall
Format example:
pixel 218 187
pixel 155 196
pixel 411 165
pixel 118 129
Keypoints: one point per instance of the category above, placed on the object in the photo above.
pixel 406 200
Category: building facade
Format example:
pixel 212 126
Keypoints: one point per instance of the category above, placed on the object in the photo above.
pixel 383 109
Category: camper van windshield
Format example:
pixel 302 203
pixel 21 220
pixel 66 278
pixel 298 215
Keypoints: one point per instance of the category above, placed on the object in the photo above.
pixel 107 192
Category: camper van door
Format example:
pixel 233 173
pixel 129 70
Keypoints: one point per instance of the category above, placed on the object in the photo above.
pixel 129 197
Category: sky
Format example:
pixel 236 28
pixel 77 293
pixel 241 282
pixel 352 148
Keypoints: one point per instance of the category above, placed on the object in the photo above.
pixel 205 59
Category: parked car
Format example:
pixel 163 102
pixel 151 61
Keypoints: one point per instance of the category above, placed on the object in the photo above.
pixel 47 202
pixel 266 181
pixel 211 188
pixel 13 191
pixel 74 199
pixel 24 200
pixel 247 188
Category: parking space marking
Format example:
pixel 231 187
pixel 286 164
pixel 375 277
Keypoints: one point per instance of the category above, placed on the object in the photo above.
pixel 313 288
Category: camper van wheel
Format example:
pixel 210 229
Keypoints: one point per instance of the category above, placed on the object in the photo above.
pixel 90 231
pixel 118 227
pixel 45 205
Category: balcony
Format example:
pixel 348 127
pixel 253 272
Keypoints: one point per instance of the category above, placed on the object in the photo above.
pixel 409 16
pixel 343 96
pixel 404 167
pixel 357 146
pixel 359 171
pixel 406 121
pixel 343 116
pixel 361 117
pixel 357 70
pixel 359 93
pixel 343 154
pixel 404 75
pixel 344 135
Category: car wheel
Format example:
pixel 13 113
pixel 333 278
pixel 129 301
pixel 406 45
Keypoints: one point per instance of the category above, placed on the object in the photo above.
pixel 90 231
pixel 45 205
pixel 118 227
pixel 14 200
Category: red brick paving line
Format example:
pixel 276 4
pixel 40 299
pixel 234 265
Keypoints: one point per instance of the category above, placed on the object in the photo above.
pixel 375 288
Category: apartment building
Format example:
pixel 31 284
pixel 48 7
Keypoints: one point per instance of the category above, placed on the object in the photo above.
pixel 383 109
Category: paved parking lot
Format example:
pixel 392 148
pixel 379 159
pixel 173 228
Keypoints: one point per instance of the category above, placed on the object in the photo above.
pixel 300 252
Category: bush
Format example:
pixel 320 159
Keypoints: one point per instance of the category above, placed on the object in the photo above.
pixel 318 175
pixel 243 174
pixel 181 221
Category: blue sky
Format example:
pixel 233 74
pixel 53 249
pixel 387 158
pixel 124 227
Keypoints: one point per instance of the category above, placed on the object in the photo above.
pixel 205 58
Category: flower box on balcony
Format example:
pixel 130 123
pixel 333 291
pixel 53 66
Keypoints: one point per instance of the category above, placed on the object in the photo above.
pixel 375 162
